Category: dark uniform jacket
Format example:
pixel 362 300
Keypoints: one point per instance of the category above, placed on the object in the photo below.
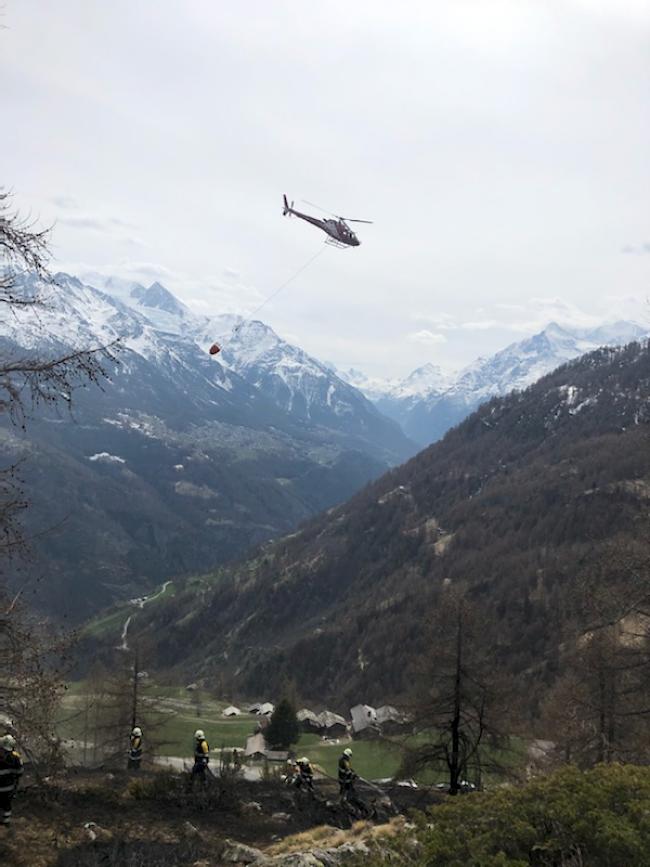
pixel 346 774
pixel 201 750
pixel 135 753
pixel 305 770
pixel 11 769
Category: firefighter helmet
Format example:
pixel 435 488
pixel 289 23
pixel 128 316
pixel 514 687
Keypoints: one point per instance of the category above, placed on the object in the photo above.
pixel 8 742
pixel 347 751
pixel 199 735
pixel 137 732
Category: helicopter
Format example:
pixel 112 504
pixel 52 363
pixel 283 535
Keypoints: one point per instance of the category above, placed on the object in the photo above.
pixel 340 234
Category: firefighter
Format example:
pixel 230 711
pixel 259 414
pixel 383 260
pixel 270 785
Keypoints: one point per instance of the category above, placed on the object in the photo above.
pixel 201 756
pixel 11 769
pixel 135 749
pixel 291 774
pixel 346 774
pixel 305 774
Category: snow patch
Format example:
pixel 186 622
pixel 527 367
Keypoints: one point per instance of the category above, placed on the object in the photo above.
pixel 106 458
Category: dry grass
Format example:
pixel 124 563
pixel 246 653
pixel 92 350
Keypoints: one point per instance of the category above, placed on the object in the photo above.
pixel 326 836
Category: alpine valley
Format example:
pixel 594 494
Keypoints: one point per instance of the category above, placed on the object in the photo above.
pixel 180 461
pixel 522 506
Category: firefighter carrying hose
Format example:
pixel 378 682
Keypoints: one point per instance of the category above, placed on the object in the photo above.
pixel 11 769
pixel 135 749
pixel 347 775
pixel 201 756
pixel 305 776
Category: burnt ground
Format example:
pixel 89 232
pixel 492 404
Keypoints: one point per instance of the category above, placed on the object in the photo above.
pixel 156 819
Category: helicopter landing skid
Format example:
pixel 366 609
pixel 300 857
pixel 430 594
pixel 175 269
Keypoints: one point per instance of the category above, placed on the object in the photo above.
pixel 334 243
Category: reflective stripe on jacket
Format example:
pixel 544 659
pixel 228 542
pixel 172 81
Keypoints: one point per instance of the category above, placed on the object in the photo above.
pixel 11 768
pixel 201 750
pixel 345 770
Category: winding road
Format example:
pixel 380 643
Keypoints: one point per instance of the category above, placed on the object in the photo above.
pixel 139 602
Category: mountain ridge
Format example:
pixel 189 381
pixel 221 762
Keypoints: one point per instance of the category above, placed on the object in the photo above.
pixel 430 401
pixel 544 479
pixel 179 462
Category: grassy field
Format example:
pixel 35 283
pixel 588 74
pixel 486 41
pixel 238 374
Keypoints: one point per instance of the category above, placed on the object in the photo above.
pixel 178 713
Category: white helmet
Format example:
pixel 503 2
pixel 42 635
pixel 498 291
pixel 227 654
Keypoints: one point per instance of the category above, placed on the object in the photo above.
pixel 8 742
pixel 304 760
pixel 137 731
pixel 199 735
pixel 347 751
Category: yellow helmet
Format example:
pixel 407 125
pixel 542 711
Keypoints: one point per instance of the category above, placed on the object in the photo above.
pixel 347 751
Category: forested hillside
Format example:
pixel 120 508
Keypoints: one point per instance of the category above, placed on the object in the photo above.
pixel 524 505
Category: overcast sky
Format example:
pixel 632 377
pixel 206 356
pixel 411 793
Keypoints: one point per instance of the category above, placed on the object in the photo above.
pixel 500 146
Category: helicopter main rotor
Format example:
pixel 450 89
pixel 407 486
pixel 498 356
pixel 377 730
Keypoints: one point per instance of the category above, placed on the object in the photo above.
pixel 338 216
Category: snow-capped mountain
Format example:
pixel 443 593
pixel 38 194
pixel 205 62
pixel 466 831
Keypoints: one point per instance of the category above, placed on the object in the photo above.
pixel 298 383
pixel 307 389
pixel 428 402
pixel 182 460
pixel 421 381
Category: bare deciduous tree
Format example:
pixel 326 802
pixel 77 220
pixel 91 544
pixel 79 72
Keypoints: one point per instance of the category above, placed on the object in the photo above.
pixel 458 709
pixel 30 685
pixel 600 708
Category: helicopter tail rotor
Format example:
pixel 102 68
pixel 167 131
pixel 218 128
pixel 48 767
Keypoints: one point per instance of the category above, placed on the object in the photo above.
pixel 287 209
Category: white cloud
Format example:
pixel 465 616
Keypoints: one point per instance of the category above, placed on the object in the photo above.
pixel 64 202
pixel 481 325
pixel 426 337
pixel 111 228
pixel 511 308
pixel 639 249
pixel 440 321
pixel 470 156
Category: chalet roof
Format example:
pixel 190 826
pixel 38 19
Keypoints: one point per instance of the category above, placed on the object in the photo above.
pixel 363 717
pixel 363 708
pixel 304 713
pixel 328 719
pixel 387 713
pixel 231 711
pixel 255 744
pixel 277 755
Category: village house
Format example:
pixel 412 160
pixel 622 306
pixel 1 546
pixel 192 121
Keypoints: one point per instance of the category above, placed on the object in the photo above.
pixel 391 720
pixel 332 725
pixel 364 721
pixel 309 721
pixel 231 711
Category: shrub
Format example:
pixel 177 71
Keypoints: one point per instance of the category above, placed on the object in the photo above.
pixel 599 818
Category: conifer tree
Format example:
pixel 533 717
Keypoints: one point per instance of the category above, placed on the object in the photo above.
pixel 284 728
